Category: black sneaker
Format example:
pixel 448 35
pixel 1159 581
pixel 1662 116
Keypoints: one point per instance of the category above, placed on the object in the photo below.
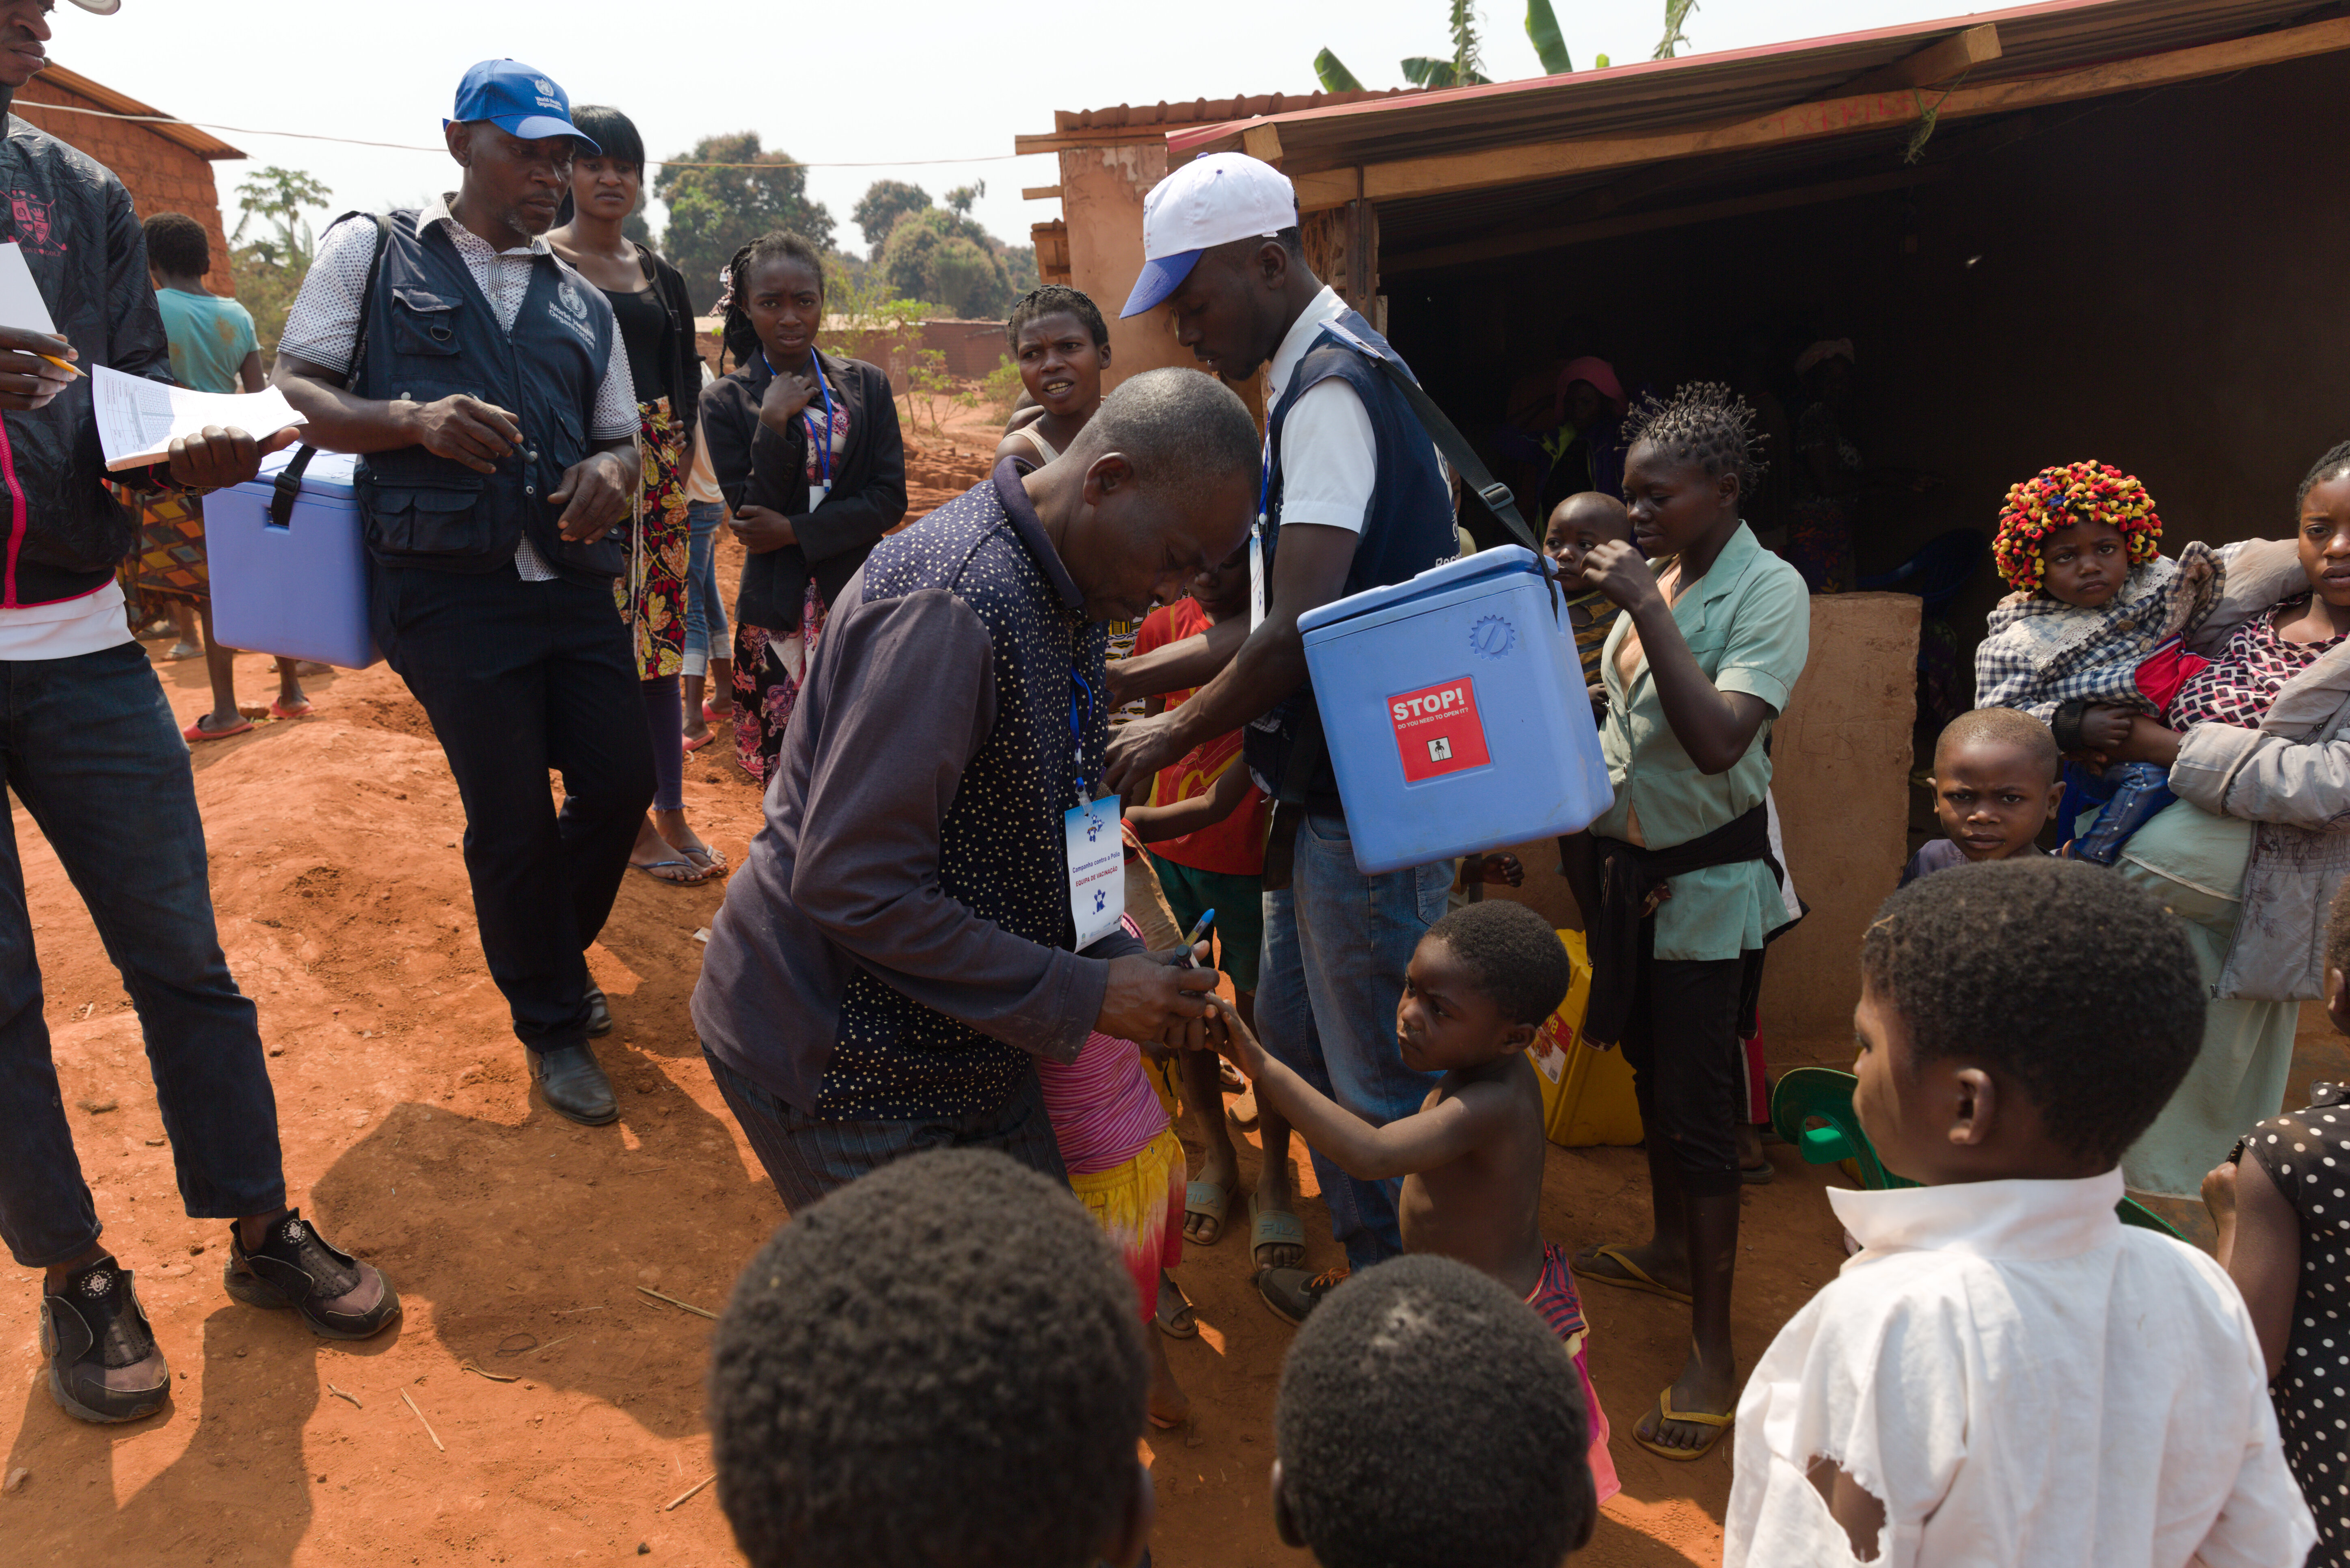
pixel 1292 1293
pixel 104 1364
pixel 338 1296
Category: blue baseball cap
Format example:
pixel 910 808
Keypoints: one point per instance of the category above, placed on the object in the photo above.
pixel 519 101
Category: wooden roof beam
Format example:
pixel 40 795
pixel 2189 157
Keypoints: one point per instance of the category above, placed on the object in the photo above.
pixel 1450 172
pixel 1948 60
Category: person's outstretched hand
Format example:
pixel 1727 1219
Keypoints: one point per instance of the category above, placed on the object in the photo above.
pixel 1234 1040
pixel 1138 749
pixel 222 455
pixel 1155 997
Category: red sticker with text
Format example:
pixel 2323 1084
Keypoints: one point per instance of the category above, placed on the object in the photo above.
pixel 1437 730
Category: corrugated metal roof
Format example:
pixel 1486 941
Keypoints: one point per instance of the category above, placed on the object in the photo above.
pixel 1146 122
pixel 1733 84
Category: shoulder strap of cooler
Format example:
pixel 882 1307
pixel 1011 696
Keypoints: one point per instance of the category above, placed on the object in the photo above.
pixel 288 487
pixel 1495 495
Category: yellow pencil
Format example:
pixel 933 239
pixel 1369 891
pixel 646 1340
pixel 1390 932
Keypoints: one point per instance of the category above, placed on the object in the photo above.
pixel 66 364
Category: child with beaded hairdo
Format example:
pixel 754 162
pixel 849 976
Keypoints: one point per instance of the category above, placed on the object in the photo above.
pixel 2099 619
pixel 1714 632
pixel 806 450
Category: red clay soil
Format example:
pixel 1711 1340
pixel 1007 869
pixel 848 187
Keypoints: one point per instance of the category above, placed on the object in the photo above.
pixel 557 1406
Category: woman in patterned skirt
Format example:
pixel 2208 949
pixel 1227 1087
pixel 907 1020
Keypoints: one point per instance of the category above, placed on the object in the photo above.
pixel 656 324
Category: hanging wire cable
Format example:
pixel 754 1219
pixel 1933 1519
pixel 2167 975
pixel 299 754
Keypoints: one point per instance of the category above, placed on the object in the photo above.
pixel 23 104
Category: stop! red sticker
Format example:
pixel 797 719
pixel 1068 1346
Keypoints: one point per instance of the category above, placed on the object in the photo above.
pixel 1437 731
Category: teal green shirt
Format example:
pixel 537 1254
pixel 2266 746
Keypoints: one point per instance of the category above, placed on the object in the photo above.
pixel 210 337
pixel 1749 623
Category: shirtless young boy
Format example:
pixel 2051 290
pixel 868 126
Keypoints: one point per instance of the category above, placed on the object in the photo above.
pixel 1478 988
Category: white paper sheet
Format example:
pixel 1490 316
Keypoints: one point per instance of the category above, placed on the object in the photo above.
pixel 138 419
pixel 21 304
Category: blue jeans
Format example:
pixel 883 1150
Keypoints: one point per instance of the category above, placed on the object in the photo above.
pixel 89 746
pixel 705 612
pixel 2133 794
pixel 805 1158
pixel 1335 944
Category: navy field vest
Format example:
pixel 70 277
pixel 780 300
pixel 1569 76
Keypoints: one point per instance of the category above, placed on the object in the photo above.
pixel 431 332
pixel 1406 530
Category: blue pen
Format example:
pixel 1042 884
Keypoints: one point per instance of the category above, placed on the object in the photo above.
pixel 1207 918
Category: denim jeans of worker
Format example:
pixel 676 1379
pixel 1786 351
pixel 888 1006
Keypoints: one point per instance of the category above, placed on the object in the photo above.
pixel 807 1158
pixel 705 612
pixel 518 678
pixel 1335 944
pixel 2133 794
pixel 90 745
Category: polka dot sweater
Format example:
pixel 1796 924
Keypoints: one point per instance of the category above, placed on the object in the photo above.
pixel 2307 1155
pixel 1001 846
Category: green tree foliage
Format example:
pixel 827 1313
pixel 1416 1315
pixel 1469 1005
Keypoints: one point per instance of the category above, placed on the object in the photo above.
pixel 1676 13
pixel 268 270
pixel 962 198
pixel 940 255
pixel 1465 66
pixel 884 203
pixel 1550 45
pixel 714 212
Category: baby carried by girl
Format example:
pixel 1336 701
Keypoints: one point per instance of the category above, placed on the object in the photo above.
pixel 2099 619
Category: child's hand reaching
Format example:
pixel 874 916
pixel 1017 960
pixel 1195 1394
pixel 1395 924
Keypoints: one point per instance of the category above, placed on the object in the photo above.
pixel 1504 870
pixel 1232 1040
pixel 2104 728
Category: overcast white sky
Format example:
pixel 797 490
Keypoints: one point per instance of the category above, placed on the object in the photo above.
pixel 898 84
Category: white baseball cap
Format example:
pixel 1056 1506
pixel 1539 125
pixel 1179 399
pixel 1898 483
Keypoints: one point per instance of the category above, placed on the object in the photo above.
pixel 1209 201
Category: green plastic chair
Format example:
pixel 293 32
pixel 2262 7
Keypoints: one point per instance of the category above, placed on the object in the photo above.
pixel 1811 1108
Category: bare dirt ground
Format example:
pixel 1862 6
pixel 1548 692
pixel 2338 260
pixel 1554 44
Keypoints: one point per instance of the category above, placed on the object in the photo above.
pixel 557 1408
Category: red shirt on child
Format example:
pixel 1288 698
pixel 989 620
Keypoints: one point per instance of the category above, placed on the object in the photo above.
pixel 1234 847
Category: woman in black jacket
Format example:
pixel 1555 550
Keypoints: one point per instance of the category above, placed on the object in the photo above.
pixel 656 323
pixel 805 449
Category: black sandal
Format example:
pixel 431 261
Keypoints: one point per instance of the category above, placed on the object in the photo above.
pixel 297 1268
pixel 95 1326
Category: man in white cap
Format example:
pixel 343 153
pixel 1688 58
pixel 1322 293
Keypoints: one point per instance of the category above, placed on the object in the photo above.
pixel 1353 498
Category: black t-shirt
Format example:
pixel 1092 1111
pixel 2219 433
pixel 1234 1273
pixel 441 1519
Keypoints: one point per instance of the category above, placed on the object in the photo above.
pixel 643 322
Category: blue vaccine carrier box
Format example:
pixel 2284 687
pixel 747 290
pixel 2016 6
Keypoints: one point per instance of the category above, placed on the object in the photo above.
pixel 300 589
pixel 1455 711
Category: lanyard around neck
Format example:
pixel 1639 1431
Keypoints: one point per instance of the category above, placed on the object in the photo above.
pixel 823 459
pixel 1078 718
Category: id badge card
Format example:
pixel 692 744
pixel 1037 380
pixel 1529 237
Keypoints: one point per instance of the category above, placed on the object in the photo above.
pixel 817 492
pixel 1097 869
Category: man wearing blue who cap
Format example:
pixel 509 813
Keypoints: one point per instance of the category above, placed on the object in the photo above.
pixel 485 385
pixel 1353 498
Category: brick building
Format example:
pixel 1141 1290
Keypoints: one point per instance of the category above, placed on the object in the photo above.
pixel 168 168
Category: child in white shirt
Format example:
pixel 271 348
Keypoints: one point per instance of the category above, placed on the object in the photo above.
pixel 2004 1374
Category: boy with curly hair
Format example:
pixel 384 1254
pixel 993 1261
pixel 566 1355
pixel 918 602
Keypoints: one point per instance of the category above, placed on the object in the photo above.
pixel 2098 617
pixel 2006 1373
pixel 938 1362
pixel 1426 1421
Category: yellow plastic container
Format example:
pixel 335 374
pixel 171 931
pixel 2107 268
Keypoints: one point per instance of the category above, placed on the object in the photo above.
pixel 1587 1093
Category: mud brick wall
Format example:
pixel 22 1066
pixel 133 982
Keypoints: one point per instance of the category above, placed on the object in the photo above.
pixel 161 175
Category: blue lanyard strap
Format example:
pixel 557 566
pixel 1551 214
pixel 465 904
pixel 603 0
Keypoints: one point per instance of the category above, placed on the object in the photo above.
pixel 1078 719
pixel 824 459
